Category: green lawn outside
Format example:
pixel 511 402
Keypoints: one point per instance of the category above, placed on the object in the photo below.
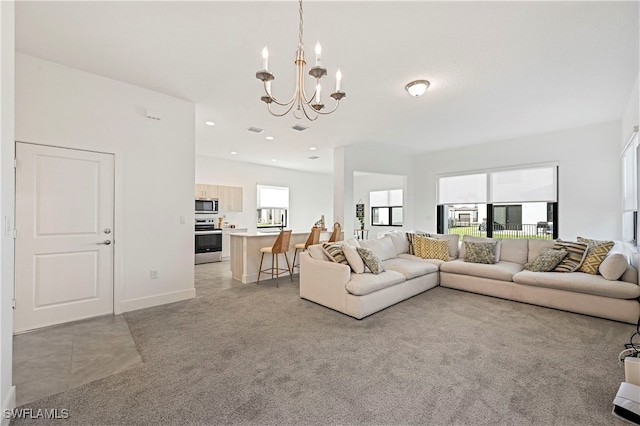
pixel 473 230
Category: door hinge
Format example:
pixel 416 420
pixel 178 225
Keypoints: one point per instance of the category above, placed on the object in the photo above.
pixel 15 234
pixel 13 303
pixel 15 163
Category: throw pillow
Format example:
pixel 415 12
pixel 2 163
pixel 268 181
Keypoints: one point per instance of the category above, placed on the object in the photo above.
pixel 453 239
pixel 399 242
pixel 473 239
pixel 431 248
pixel 370 259
pixel 353 258
pixel 596 253
pixel 546 261
pixel 410 237
pixel 613 266
pixel 575 255
pixel 480 252
pixel 335 253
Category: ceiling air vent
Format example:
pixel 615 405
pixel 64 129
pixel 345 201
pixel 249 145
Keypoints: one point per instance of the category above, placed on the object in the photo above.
pixel 299 127
pixel 255 129
pixel 313 157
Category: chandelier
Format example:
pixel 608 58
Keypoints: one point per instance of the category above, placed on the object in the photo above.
pixel 309 107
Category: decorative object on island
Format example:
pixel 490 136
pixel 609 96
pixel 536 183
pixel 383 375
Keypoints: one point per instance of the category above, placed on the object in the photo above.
pixel 320 224
pixel 360 213
pixel 299 98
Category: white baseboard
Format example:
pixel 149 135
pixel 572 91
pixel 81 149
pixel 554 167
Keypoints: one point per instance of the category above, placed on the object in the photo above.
pixel 9 404
pixel 155 300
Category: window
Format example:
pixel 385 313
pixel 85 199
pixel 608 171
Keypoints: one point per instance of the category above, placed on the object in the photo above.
pixel 630 190
pixel 273 206
pixel 386 207
pixel 511 203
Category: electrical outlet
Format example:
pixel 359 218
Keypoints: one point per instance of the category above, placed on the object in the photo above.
pixel 183 220
pixel 154 274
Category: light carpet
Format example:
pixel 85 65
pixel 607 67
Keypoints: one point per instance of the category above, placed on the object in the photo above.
pixel 247 354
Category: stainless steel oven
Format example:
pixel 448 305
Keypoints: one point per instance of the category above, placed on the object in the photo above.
pixel 208 242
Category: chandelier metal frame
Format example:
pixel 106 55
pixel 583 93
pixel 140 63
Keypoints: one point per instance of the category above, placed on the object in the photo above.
pixel 299 98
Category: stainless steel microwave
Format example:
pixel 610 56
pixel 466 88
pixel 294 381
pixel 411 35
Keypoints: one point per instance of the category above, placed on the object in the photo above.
pixel 206 205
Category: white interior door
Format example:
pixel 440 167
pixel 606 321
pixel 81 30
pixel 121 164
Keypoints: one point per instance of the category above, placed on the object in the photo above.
pixel 64 245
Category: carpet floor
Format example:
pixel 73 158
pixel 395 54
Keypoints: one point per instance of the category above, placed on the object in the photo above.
pixel 247 354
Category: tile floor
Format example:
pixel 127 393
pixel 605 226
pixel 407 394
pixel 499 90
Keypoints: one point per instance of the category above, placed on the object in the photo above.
pixel 54 359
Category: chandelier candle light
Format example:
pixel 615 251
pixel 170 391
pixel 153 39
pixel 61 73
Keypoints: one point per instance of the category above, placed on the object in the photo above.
pixel 299 98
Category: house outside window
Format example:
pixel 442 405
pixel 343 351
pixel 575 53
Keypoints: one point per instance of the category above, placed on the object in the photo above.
pixel 512 203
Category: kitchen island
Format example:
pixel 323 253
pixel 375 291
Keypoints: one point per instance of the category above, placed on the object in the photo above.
pixel 245 252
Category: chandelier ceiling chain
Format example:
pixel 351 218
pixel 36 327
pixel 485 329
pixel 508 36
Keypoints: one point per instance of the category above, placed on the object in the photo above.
pixel 312 107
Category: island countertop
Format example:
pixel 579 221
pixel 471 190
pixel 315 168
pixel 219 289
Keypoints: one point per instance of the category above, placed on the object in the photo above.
pixel 245 252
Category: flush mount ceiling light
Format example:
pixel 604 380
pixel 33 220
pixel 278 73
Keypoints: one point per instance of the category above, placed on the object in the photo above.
pixel 269 138
pixel 299 98
pixel 209 123
pixel 417 88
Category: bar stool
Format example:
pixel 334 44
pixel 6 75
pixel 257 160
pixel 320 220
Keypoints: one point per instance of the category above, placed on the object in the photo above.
pixel 314 238
pixel 281 245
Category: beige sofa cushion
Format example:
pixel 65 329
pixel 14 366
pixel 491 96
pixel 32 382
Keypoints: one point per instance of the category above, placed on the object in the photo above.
pixel 400 242
pixel 514 250
pixel 613 266
pixel 502 271
pixel 382 247
pixel 579 282
pixel 536 246
pixel 415 258
pixel 409 268
pixel 361 284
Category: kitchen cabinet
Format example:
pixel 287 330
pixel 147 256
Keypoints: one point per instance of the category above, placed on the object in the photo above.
pixel 206 191
pixel 226 241
pixel 229 197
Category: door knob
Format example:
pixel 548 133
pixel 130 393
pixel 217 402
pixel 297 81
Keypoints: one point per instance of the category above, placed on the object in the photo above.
pixel 107 231
pixel 106 242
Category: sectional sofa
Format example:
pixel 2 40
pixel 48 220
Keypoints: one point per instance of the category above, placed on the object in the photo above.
pixel 336 286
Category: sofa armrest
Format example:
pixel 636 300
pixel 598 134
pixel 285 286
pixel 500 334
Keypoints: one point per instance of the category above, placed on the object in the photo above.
pixel 323 281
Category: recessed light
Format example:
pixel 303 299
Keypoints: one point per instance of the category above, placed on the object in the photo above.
pixel 273 159
pixel 313 148
pixel 269 138
pixel 233 153
pixel 209 123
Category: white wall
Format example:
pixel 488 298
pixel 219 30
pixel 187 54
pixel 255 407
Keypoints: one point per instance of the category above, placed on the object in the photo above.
pixel 363 184
pixel 355 158
pixel 589 176
pixel 7 150
pixel 310 194
pixel 631 114
pixel 62 106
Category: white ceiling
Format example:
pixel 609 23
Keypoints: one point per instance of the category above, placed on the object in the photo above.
pixel 497 69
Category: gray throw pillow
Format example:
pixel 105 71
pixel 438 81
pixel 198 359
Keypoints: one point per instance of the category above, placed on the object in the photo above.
pixel 546 261
pixel 370 259
pixel 480 252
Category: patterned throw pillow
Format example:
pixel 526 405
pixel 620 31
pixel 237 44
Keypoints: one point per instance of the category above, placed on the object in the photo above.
pixel 574 258
pixel 370 259
pixel 596 253
pixel 546 261
pixel 480 252
pixel 335 253
pixel 430 248
pixel 410 237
